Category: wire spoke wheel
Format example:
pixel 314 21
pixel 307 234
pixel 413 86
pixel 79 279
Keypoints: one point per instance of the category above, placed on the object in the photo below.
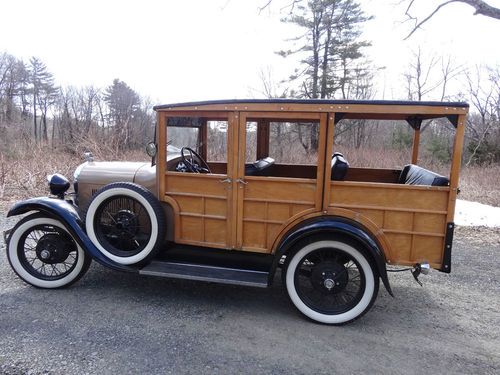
pixel 330 281
pixel 126 223
pixel 42 253
pixel 122 225
pixel 47 252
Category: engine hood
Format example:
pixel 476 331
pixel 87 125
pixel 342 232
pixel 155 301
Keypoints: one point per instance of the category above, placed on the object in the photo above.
pixel 104 172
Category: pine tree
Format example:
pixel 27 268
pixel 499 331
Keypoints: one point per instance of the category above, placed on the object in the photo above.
pixel 123 104
pixel 331 47
pixel 43 94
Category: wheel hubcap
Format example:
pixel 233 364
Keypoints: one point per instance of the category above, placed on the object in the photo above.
pixel 329 277
pixel 329 284
pixel 52 249
pixel 45 254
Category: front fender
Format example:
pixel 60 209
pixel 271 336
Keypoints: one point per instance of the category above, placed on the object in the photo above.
pixel 68 215
pixel 336 225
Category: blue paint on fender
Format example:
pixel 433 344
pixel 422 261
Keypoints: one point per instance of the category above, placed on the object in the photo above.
pixel 68 215
pixel 335 225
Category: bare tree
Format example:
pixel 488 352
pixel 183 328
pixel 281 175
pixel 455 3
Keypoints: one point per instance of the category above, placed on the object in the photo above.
pixel 483 127
pixel 480 8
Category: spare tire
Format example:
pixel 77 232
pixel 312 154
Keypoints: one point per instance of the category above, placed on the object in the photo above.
pixel 125 222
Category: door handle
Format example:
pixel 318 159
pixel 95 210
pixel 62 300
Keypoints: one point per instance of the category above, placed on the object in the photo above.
pixel 241 181
pixel 225 181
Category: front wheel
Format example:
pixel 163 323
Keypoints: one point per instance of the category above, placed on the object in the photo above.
pixel 42 253
pixel 331 281
pixel 126 223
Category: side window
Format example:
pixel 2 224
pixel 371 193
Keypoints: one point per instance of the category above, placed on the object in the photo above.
pixel 182 132
pixel 290 146
pixel 217 141
pixel 294 142
pixel 251 142
pixel 206 136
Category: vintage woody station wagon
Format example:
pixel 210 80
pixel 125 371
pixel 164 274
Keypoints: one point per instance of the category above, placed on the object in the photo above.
pixel 224 201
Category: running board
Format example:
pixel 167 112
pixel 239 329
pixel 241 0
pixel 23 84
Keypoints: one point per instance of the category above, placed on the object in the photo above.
pixel 206 273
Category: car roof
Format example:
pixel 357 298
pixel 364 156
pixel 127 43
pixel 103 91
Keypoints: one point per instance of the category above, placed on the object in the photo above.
pixel 326 102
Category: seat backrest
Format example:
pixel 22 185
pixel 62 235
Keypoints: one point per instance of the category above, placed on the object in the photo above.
pixel 257 168
pixel 339 166
pixel 414 175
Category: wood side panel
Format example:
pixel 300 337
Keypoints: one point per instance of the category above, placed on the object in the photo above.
pixel 276 189
pixel 387 196
pixel 412 217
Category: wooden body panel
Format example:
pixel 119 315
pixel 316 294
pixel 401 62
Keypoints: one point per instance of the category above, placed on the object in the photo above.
pixel 268 203
pixel 203 212
pixel 413 218
pixel 229 210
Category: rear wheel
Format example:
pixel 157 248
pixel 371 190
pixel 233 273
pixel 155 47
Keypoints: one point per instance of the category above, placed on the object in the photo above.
pixel 42 253
pixel 331 281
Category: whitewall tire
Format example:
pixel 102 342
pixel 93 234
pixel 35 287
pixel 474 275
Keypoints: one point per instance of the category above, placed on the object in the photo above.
pixel 42 253
pixel 125 222
pixel 330 281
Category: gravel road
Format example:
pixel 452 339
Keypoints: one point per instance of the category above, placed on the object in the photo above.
pixel 112 323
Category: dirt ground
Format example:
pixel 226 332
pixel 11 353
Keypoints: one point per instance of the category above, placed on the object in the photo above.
pixel 111 323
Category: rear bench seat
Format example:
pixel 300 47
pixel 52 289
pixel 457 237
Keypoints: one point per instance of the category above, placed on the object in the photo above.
pixel 414 175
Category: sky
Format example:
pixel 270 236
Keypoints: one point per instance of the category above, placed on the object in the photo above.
pixel 174 51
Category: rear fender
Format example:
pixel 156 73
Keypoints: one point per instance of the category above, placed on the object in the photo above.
pixel 68 215
pixel 335 226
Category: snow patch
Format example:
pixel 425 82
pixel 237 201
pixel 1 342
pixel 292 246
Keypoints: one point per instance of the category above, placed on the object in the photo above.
pixel 476 214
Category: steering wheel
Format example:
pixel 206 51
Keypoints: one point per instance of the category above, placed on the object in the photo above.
pixel 193 161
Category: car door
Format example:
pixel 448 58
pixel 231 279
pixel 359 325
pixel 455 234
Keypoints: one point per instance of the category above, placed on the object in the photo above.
pixel 288 189
pixel 202 203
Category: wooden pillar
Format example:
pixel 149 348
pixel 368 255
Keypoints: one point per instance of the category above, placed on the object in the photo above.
pixel 202 139
pixel 456 162
pixel 328 169
pixel 263 138
pixel 416 143
pixel 161 160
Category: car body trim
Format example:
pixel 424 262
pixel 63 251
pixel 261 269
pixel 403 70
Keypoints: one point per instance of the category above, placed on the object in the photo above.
pixel 68 215
pixel 334 225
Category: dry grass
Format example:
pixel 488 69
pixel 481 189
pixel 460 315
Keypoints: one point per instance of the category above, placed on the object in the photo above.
pixel 23 169
pixel 481 184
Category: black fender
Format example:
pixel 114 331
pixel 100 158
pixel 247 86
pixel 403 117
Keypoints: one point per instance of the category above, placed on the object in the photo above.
pixel 68 215
pixel 334 225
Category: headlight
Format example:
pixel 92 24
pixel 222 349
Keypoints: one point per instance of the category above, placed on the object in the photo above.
pixel 58 184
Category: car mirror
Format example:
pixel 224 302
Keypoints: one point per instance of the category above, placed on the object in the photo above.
pixel 151 149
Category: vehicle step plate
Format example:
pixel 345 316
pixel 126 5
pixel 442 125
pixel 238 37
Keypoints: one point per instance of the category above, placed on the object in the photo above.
pixel 206 273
